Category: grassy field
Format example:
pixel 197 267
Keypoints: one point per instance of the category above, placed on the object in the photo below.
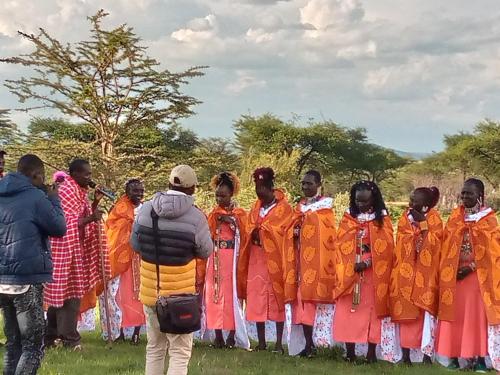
pixel 123 358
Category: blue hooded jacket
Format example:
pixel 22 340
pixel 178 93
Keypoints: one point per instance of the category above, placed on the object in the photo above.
pixel 27 218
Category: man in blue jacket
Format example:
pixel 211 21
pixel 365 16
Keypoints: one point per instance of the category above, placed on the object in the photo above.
pixel 29 213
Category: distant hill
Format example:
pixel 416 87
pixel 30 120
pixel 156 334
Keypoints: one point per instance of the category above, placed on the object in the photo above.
pixel 412 155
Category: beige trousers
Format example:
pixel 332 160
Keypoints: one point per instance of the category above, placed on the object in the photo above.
pixel 178 348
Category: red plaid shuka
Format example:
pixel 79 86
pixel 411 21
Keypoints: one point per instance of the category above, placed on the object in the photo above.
pixel 76 256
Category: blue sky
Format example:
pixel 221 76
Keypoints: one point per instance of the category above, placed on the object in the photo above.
pixel 409 71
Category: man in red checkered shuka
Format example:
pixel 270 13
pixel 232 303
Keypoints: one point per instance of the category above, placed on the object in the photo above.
pixel 76 257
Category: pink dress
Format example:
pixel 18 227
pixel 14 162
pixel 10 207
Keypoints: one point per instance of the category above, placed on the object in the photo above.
pixel 220 314
pixel 303 312
pixel 467 335
pixel 410 332
pixel 128 297
pixel 361 326
pixel 262 304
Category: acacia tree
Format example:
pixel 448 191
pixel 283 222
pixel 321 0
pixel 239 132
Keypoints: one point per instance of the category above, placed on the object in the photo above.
pixel 485 149
pixel 335 150
pixel 108 82
pixel 8 130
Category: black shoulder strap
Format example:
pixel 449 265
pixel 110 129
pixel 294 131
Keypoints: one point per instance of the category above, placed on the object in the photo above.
pixel 156 237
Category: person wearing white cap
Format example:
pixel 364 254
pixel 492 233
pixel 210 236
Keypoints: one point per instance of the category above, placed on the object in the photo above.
pixel 170 233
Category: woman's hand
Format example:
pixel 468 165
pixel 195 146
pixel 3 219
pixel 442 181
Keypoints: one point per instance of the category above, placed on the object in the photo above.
pixel 463 272
pixel 417 215
pixel 226 219
pixel 360 267
pixel 255 236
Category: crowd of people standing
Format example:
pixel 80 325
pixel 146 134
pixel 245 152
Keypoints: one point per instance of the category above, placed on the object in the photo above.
pixel 426 290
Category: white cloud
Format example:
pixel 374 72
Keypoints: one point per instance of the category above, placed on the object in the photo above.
pixel 395 80
pixel 258 36
pixel 262 2
pixel 352 52
pixel 326 13
pixel 243 82
pixel 416 62
pixel 198 30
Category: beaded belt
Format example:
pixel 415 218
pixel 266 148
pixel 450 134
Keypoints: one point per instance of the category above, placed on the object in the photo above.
pixel 223 244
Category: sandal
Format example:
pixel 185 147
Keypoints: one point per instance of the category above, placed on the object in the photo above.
pixel 427 360
pixel 230 343
pixel 218 344
pixel 356 361
pixel 352 360
pixel 278 351
pixel 307 353
pixel 120 338
pixel 135 339
pixel 371 360
pixel 453 365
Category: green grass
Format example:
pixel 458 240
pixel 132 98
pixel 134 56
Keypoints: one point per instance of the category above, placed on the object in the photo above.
pixel 124 359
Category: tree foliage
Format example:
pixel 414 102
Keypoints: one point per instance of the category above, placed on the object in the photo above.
pixel 466 154
pixel 107 82
pixel 125 113
pixel 9 133
pixel 327 146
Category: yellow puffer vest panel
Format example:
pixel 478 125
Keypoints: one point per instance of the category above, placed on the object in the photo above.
pixel 173 280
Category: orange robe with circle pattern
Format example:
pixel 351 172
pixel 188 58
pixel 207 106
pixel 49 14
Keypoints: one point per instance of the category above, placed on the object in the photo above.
pixel 118 228
pixel 312 255
pixel 382 251
pixel 414 281
pixel 484 235
pixel 272 231
pixel 121 256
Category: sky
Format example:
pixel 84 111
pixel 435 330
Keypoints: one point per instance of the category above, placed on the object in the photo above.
pixel 409 71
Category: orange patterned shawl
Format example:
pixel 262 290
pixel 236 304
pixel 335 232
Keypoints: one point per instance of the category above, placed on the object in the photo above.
pixel 272 232
pixel 382 251
pixel 484 235
pixel 315 250
pixel 414 278
pixel 118 229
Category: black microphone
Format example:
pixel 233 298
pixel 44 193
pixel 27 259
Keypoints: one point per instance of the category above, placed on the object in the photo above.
pixel 107 193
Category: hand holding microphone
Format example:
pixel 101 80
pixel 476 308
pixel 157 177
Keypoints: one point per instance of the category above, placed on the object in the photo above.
pixel 101 192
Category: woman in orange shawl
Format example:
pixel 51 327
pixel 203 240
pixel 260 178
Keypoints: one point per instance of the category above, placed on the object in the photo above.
pixel 228 228
pixel 364 249
pixel 414 277
pixel 260 268
pixel 124 261
pixel 311 242
pixel 469 305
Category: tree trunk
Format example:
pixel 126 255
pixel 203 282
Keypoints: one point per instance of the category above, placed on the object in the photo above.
pixel 108 158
